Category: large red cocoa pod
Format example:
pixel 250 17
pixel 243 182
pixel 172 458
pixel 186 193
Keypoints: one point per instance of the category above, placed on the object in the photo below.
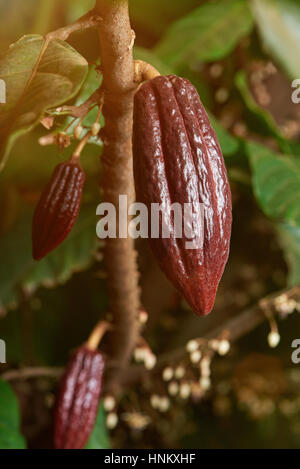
pixel 78 399
pixel 58 208
pixel 177 158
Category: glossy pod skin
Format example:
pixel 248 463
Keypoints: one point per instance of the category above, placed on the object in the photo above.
pixel 78 399
pixel 177 158
pixel 57 209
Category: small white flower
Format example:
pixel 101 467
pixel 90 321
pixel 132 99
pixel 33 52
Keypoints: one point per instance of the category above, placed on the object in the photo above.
pixel 96 127
pixel 112 420
pixel 196 356
pixel 214 344
pixel 224 347
pixel 192 346
pixel 168 374
pixel 164 404
pixel 140 354
pixel 150 361
pixel 136 420
pixel 109 403
pixel 273 339
pixel 205 383
pixel 173 388
pixel 179 372
pixel 155 401
pixel 205 367
pixel 185 390
pixel 78 131
pixel 143 317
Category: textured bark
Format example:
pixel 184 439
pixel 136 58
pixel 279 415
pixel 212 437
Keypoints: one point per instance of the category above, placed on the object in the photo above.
pixel 116 40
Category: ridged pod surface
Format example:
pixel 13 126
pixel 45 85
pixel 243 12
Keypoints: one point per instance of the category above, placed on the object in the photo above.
pixel 57 209
pixel 78 399
pixel 177 159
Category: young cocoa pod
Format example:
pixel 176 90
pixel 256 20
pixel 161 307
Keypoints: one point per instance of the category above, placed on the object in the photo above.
pixel 177 158
pixel 78 399
pixel 58 208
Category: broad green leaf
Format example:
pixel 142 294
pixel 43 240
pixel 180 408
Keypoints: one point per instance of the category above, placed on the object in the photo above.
pixel 276 181
pixel 76 253
pixel 278 22
pixel 208 33
pixel 99 437
pixel 59 77
pixel 10 436
pixel 289 238
pixel 263 121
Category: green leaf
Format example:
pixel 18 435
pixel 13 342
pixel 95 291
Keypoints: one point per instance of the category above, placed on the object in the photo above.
pixel 10 436
pixel 99 437
pixel 91 84
pixel 208 33
pixel 289 238
pixel 59 77
pixel 278 22
pixel 276 181
pixel 264 122
pixel 76 253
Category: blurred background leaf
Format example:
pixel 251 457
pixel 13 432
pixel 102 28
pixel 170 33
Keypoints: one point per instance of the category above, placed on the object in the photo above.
pixel 278 22
pixel 276 183
pixel 53 84
pixel 262 121
pixel 289 237
pixel 76 253
pixel 208 33
pixel 10 436
pixel 99 438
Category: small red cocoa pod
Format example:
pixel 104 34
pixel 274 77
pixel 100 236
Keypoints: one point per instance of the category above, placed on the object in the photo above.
pixel 78 399
pixel 177 158
pixel 58 208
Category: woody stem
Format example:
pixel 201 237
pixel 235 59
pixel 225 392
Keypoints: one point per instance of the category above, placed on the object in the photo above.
pixel 116 41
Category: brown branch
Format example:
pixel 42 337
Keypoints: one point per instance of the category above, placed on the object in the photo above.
pixel 242 324
pixel 32 372
pixel 236 328
pixel 82 110
pixel 87 21
pixel 116 41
